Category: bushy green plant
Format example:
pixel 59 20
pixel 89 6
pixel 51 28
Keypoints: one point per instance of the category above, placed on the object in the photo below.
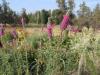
pixel 6 38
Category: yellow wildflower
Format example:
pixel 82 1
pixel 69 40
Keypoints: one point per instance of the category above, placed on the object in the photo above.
pixel 21 35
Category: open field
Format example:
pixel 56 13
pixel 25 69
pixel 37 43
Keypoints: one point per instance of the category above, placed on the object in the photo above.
pixel 36 55
pixel 49 37
pixel 34 30
pixel 38 31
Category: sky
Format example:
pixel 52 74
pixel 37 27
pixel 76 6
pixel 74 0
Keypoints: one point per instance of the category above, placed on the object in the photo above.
pixel 34 5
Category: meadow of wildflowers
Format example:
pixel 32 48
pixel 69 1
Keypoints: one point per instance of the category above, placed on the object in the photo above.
pixel 76 54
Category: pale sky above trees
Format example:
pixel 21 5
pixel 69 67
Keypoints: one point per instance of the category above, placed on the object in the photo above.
pixel 34 5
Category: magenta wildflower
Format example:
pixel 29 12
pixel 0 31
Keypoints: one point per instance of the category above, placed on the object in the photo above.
pixel 50 26
pixel 49 30
pixel 65 22
pixel 1 30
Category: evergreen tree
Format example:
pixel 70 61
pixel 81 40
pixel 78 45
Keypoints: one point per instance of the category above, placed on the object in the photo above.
pixel 84 15
pixel 62 4
pixel 96 16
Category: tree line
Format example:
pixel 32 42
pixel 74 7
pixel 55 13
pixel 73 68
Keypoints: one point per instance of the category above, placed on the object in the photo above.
pixel 84 17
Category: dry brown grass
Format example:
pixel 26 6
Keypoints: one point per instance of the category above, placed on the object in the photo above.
pixel 37 31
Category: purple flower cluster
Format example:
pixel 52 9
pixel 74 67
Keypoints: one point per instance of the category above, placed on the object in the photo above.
pixel 65 22
pixel 1 30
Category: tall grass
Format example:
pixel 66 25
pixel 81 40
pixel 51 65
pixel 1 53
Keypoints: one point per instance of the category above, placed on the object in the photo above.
pixel 77 55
